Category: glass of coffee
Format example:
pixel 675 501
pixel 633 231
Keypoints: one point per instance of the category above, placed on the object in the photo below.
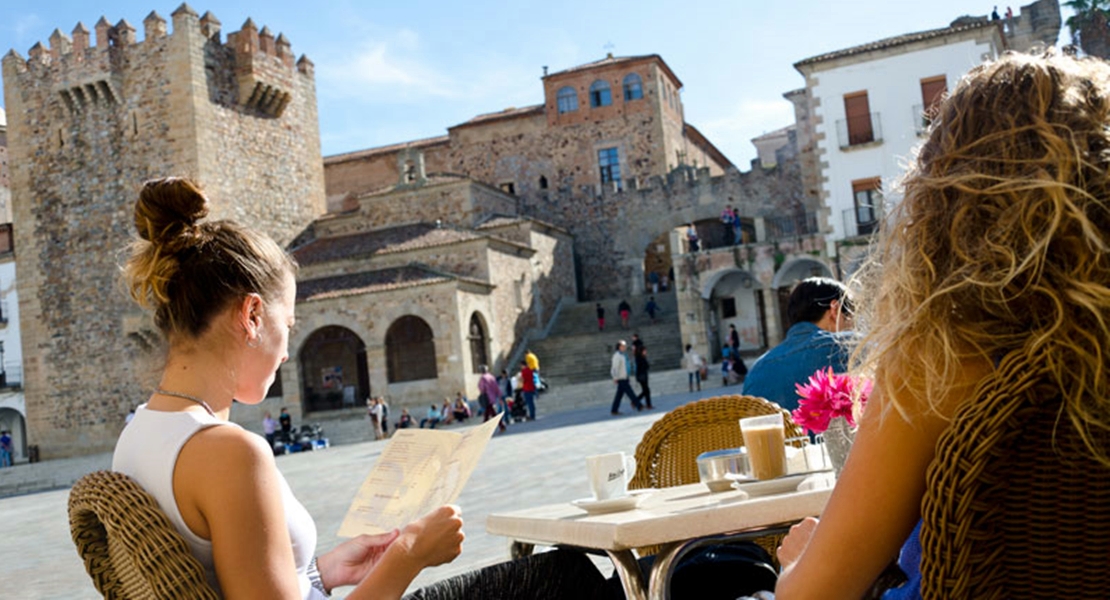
pixel 766 443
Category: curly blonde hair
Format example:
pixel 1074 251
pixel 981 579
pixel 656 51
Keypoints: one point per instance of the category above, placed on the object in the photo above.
pixel 999 245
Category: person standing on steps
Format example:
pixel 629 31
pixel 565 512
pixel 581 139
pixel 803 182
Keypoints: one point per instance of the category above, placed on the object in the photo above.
pixel 625 309
pixel 620 369
pixel 693 364
pixel 651 308
pixel 600 317
pixel 642 367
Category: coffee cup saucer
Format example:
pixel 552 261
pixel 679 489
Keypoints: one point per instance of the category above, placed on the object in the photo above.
pixel 629 501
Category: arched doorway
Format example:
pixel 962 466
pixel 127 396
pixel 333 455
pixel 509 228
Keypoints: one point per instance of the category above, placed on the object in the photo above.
pixel 12 421
pixel 479 343
pixel 334 373
pixel 410 350
pixel 735 298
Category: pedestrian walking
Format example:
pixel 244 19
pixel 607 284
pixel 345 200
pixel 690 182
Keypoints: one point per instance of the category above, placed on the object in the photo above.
pixel 651 308
pixel 489 397
pixel 5 449
pixel 625 310
pixel 693 365
pixel 528 388
pixel 620 369
pixel 269 428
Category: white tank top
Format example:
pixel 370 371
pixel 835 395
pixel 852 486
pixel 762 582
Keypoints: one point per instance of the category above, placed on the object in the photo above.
pixel 147 452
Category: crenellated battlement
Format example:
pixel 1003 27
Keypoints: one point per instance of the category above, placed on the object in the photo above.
pixel 84 68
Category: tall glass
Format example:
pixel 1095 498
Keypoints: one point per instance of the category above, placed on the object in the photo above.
pixel 766 442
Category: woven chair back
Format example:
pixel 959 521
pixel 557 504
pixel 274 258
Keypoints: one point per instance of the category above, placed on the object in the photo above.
pixel 667 454
pixel 130 548
pixel 1015 505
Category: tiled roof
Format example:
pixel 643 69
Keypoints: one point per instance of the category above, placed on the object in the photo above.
pixel 499 221
pixel 781 131
pixel 381 241
pixel 369 282
pixel 897 40
pixel 508 113
pixel 423 143
pixel 616 60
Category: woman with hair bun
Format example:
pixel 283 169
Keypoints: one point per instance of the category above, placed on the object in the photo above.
pixel 223 297
pixel 993 269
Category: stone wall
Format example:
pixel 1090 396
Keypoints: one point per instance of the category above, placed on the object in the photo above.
pixel 88 123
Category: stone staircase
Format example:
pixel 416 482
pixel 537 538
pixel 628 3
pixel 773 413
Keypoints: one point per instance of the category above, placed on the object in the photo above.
pixel 576 352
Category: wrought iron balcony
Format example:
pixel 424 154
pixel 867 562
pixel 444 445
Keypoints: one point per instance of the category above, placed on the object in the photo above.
pixel 856 131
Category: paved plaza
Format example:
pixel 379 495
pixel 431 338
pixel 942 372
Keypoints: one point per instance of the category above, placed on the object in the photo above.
pixel 534 463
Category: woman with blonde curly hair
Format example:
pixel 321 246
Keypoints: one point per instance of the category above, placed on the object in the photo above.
pixel 995 262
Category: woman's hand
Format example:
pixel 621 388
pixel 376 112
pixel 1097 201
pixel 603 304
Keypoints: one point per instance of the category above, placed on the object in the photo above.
pixel 796 541
pixel 351 561
pixel 435 538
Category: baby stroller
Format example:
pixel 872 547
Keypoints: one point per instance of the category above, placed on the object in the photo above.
pixel 518 411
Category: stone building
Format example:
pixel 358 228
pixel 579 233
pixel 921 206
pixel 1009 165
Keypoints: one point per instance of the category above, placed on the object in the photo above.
pixel 576 160
pixel 13 409
pixel 92 116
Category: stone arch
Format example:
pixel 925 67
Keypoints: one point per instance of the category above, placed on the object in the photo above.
pixel 410 350
pixel 797 269
pixel 478 336
pixel 734 297
pixel 15 422
pixel 333 369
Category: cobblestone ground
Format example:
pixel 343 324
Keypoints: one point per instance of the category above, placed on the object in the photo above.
pixel 534 463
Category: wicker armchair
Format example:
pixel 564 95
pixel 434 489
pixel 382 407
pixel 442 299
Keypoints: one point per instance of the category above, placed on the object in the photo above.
pixel 130 548
pixel 1015 505
pixel 667 454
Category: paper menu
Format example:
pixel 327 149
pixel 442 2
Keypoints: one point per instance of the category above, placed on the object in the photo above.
pixel 419 470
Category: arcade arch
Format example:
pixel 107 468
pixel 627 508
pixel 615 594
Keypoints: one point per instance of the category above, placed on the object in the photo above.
pixel 410 350
pixel 334 372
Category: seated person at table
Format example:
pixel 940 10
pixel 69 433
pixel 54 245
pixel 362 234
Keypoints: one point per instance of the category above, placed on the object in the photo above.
pixel 223 296
pixel 997 255
pixel 819 310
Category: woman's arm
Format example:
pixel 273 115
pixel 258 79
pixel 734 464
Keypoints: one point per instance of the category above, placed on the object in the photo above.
pixel 229 491
pixel 876 503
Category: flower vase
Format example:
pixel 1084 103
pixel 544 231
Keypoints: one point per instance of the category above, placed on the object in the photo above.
pixel 838 441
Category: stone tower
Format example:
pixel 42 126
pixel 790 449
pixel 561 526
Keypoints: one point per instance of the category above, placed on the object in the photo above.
pixel 88 122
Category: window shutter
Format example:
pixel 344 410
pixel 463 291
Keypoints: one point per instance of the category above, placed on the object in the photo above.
pixel 858 113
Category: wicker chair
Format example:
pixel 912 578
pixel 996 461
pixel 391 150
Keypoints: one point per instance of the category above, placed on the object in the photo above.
pixel 130 548
pixel 667 454
pixel 1015 505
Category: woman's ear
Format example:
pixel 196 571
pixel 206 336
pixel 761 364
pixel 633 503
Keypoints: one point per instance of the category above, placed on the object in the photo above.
pixel 249 315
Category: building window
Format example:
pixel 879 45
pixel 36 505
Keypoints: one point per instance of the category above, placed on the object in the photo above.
pixel 508 188
pixel 543 182
pixel 728 307
pixel 600 94
pixel 479 341
pixel 866 196
pixel 933 90
pixel 567 100
pixel 410 351
pixel 608 161
pixel 633 87
pixel 858 119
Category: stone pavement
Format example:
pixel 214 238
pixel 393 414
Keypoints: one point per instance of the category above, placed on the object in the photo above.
pixel 534 463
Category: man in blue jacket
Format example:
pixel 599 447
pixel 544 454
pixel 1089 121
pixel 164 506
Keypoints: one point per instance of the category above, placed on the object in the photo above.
pixel 820 312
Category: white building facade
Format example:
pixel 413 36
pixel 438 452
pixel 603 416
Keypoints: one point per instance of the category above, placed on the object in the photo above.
pixel 871 107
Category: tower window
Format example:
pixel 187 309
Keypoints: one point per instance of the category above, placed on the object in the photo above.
pixel 600 95
pixel 567 100
pixel 608 162
pixel 543 182
pixel 633 87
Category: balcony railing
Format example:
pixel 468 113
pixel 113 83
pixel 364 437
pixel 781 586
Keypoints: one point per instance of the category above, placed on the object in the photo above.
pixel 856 131
pixel 923 118
pixel 11 377
pixel 861 220
pixel 792 225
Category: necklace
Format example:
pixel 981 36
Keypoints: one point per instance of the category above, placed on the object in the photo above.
pixel 186 397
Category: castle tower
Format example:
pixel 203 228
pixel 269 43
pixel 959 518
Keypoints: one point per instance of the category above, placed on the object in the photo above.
pixel 89 120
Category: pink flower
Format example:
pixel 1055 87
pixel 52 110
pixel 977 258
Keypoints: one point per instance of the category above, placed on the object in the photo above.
pixel 828 395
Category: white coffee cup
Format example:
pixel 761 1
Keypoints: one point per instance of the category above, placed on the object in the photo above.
pixel 609 474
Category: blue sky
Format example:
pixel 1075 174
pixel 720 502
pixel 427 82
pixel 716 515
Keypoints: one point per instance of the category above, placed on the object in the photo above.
pixel 388 72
